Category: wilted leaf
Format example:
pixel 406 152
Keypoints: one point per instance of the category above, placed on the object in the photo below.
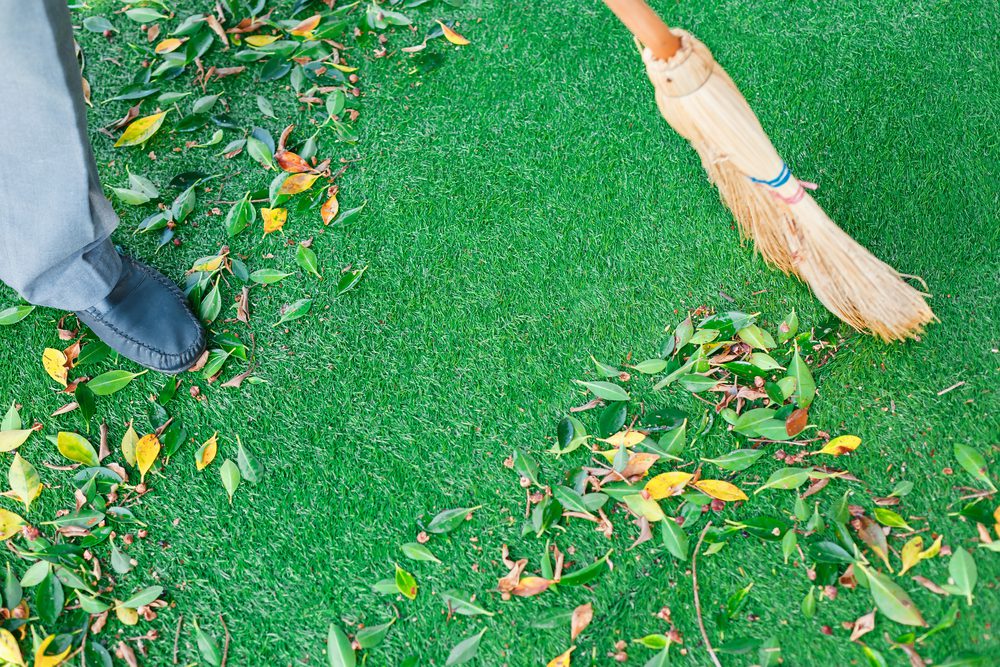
pixel 11 440
pixel 872 535
pixel 563 660
pixel 627 439
pixel 54 363
pixel 10 524
pixel 24 481
pixel 305 27
pixel 330 209
pixel 863 625
pixel 667 484
pixel 406 583
pixel 141 130
pixel 258 41
pixel 129 441
pixel 274 219
pixel 10 652
pixel 841 445
pixel 582 616
pixel 452 36
pixel 206 453
pixel 720 490
pixel 910 553
pixel 146 451
pixel 296 183
pixel 76 448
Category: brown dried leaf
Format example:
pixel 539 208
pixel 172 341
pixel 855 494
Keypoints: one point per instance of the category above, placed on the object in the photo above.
pixel 797 421
pixel 863 626
pixel 531 586
pixel 291 162
pixel 872 535
pixel 582 616
pixel 511 579
pixel 929 585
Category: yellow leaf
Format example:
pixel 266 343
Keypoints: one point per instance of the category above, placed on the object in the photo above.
pixel 274 219
pixel 452 36
pixel 168 45
pixel 258 41
pixel 141 129
pixel 9 650
pixel 206 453
pixel 296 183
pixel 129 441
pixel 667 484
pixel 42 660
pixel 932 550
pixel 910 554
pixel 11 440
pixel 126 615
pixel 627 438
pixel 146 451
pixel 720 490
pixel 644 507
pixel 330 210
pixel 10 524
pixel 562 660
pixel 210 265
pixel 305 28
pixel 54 363
pixel 24 481
pixel 841 445
pixel 344 68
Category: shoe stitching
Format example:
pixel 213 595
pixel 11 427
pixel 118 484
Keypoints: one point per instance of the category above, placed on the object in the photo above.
pixel 194 347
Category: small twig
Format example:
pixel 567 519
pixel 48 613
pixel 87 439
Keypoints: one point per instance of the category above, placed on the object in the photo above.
pixel 697 602
pixel 225 646
pixel 177 637
pixel 951 388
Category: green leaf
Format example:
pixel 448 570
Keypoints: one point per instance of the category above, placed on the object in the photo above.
pixel 240 215
pixel 112 381
pixel 587 574
pixel 612 418
pixel 606 390
pixel 259 151
pixel 805 386
pixel 448 520
pixel 12 593
pixel 143 597
pixel 674 538
pixel 889 518
pixel 14 314
pixel 306 258
pixel 890 599
pixel 651 366
pixel 268 276
pixel 417 551
pixel 406 583
pixel 335 102
pixel 974 463
pixel 697 383
pixel 49 599
pixel 683 333
pixel 526 466
pixel 348 216
pixel 211 305
pixel 466 650
pixel 737 460
pixel 250 469
pixel 756 337
pixel 373 635
pixel 93 353
pixel 11 420
pixel 571 500
pixel 349 280
pixel 144 15
pixel 964 573
pixel 207 646
pixel 230 474
pixel 788 328
pixel 462 603
pixel 77 448
pixel 808 605
pixel 786 478
pixel 748 422
pixel 265 106
pixel 788 544
pixel 295 311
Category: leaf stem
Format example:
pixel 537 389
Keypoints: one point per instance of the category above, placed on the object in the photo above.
pixel 697 601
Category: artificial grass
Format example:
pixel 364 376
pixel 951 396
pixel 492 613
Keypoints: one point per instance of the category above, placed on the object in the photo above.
pixel 528 207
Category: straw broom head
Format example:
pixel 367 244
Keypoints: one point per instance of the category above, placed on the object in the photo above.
pixel 791 231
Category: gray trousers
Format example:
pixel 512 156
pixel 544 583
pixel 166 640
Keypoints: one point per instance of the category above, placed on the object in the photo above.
pixel 55 222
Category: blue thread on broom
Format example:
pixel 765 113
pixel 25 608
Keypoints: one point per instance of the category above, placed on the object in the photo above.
pixel 778 181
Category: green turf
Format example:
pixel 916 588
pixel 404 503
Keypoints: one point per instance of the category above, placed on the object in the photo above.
pixel 528 207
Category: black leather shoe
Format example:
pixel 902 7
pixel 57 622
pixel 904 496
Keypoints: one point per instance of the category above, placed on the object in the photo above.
pixel 146 318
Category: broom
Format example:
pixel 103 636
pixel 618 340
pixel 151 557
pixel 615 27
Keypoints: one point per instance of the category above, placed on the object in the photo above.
pixel 771 206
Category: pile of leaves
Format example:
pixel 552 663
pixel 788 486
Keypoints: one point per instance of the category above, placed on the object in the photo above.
pixel 66 593
pixel 635 464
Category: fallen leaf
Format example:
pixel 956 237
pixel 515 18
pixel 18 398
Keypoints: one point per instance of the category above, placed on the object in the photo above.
pixel 11 440
pixel 582 616
pixel 274 219
pixel 206 453
pixel 297 183
pixel 291 162
pixel 667 484
pixel 624 439
pixel 452 36
pixel 10 525
pixel 168 45
pixel 42 660
pixel 330 209
pixel 562 660
pixel 146 451
pixel 54 363
pixel 258 41
pixel 840 445
pixel 530 586
pixel 720 490
pixel 24 481
pixel 304 28
pixel 863 626
pixel 10 652
pixel 796 421
pixel 141 130
pixel 910 554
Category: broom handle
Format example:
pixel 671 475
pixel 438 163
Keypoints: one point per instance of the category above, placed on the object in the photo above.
pixel 649 28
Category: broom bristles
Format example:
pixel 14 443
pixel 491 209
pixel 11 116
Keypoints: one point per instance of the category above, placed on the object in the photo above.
pixel 787 226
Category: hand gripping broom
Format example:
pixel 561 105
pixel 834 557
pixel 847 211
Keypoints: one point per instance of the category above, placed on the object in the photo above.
pixel 772 207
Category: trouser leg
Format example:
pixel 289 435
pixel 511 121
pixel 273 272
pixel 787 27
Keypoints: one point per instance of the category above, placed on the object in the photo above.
pixel 55 222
